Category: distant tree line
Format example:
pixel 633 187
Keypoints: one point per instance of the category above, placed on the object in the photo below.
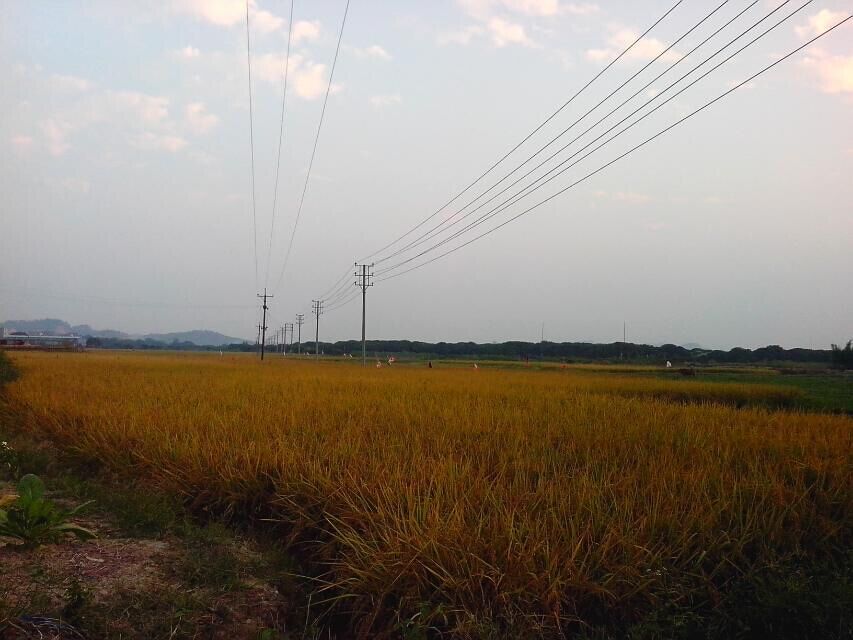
pixel 842 357
pixel 554 351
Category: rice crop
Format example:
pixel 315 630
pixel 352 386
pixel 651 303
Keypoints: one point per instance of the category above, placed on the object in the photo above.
pixel 474 502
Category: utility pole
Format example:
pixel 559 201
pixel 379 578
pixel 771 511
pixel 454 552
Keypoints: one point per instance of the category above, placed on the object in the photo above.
pixel 317 309
pixel 363 273
pixel 288 326
pixel 300 320
pixel 263 330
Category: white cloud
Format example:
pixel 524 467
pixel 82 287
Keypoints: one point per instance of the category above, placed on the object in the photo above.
pixel 69 83
pixel 21 143
pixel 198 119
pixel 504 32
pixel 189 52
pixel 266 22
pixel 150 141
pixel 534 7
pixel 373 51
pixel 224 13
pixel 308 79
pixel 55 133
pixel 385 100
pixel 461 36
pixel 151 110
pixel 484 9
pixel 834 73
pixel 140 118
pixel 227 13
pixel 819 22
pixel 304 30
pixel 619 40
pixel 585 9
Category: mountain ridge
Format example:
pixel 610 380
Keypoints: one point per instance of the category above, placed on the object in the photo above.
pixel 55 326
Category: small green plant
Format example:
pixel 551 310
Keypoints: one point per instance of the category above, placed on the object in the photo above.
pixel 35 520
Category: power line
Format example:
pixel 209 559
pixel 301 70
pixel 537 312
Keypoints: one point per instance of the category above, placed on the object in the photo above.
pixel 280 139
pixel 353 296
pixel 314 150
pixel 342 292
pixel 252 144
pixel 339 288
pixel 337 284
pixel 430 233
pixel 629 152
pixel 531 134
pixel 518 196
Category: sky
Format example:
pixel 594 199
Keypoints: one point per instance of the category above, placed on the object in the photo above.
pixel 126 179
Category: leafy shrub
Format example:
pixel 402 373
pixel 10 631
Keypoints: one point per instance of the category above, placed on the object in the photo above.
pixel 34 520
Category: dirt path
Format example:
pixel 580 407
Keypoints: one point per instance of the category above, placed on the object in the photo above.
pixel 207 584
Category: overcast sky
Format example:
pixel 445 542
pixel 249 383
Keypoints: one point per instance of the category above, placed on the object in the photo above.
pixel 126 184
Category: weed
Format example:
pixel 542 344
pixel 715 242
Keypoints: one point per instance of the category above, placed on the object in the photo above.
pixel 34 520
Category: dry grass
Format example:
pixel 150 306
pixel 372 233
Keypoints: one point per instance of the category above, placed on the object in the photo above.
pixel 480 502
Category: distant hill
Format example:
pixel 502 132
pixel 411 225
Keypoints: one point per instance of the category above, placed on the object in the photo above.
pixel 54 326
pixel 47 325
pixel 86 330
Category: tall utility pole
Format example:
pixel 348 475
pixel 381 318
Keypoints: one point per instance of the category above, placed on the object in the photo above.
pixel 363 274
pixel 300 320
pixel 264 321
pixel 317 310
pixel 281 343
pixel 288 326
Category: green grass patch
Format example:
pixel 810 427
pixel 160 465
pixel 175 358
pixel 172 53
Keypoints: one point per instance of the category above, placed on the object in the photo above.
pixel 829 392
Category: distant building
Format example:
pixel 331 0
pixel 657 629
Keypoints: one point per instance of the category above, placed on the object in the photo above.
pixel 18 340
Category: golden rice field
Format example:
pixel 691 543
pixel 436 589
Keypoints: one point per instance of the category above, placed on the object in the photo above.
pixel 474 502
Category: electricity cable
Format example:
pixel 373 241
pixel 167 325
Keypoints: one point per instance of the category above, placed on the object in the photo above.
pixel 252 144
pixel 531 188
pixel 426 236
pixel 314 150
pixel 629 151
pixel 280 140
pixel 531 134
